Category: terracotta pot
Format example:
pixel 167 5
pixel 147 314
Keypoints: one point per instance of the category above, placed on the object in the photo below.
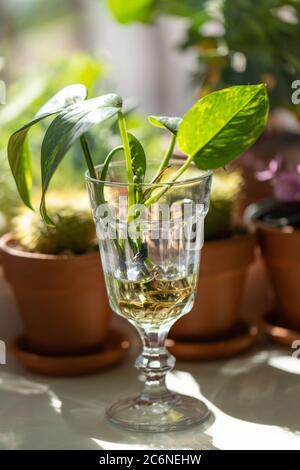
pixel 62 299
pixel 223 270
pixel 258 296
pixel 281 251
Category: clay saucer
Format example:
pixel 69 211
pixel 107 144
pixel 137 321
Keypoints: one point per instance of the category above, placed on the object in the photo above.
pixel 275 329
pixel 110 353
pixel 238 340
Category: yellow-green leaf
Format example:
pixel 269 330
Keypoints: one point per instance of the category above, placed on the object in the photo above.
pixel 222 125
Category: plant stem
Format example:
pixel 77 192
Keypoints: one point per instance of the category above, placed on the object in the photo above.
pixel 124 137
pixel 104 171
pixel 166 157
pixel 178 173
pixel 130 175
pixel 88 157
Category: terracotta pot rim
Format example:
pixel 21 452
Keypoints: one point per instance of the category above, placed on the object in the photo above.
pixel 12 251
pixel 288 230
pixel 241 237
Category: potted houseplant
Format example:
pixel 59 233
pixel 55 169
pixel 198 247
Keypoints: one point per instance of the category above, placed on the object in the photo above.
pixel 226 257
pixel 150 261
pixel 66 316
pixel 278 224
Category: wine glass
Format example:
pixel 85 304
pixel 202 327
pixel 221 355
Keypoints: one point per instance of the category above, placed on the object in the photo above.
pixel 150 257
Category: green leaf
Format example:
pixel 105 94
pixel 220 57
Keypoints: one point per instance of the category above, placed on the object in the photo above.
pixel 127 11
pixel 222 125
pixel 18 149
pixel 138 157
pixel 65 97
pixel 189 8
pixel 170 123
pixel 66 128
pixel 132 10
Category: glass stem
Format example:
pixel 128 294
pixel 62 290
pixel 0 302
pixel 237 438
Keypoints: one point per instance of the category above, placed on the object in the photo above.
pixel 154 362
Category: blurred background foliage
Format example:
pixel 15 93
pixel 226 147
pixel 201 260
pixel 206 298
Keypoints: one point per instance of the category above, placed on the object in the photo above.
pixel 43 48
pixel 238 41
pixel 147 10
pixel 34 68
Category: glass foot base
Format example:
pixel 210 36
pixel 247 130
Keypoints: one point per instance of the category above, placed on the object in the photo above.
pixel 175 413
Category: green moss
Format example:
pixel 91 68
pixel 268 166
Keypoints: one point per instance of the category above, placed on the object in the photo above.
pixel 74 231
pixel 219 220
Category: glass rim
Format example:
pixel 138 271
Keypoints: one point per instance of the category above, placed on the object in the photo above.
pixel 206 174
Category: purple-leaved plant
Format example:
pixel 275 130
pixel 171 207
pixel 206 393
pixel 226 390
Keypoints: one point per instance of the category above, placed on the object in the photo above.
pixel 284 177
pixel 285 180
